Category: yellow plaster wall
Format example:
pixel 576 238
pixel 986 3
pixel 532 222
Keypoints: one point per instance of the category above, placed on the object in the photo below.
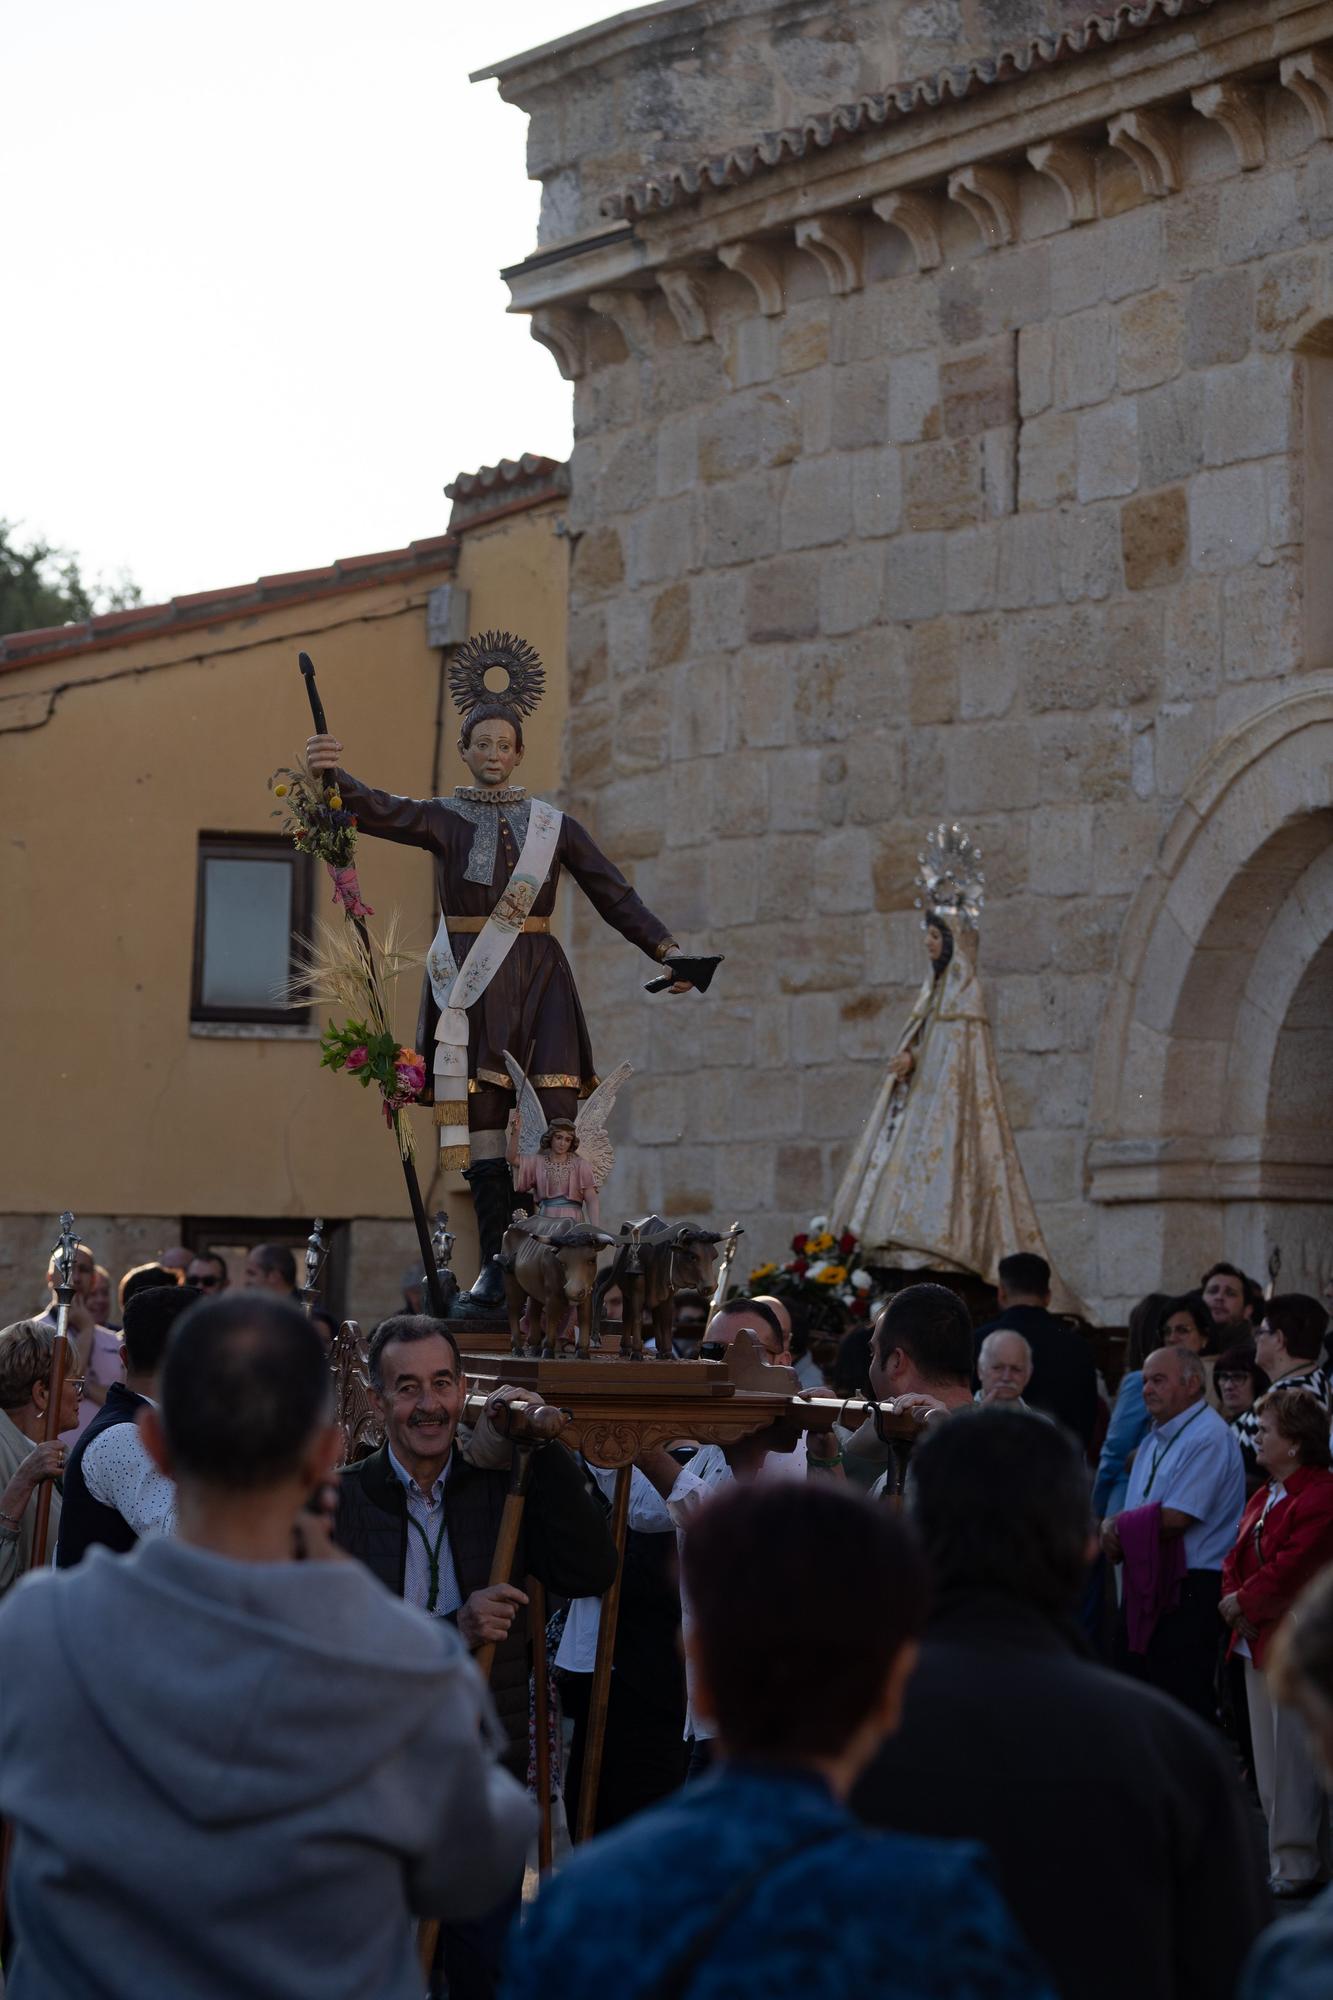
pixel 111 765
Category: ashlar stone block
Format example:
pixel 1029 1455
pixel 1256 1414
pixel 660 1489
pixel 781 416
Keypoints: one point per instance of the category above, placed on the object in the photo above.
pixel 1036 368
pixel 1228 524
pixel 782 598
pixel 1048 459
pixel 877 491
pixel 1151 342
pixel 1087 543
pixel 1250 410
pixel 1085 359
pixel 914 577
pixel 1219 318
pixel 991 767
pixel 979 389
pixel 1028 562
pixel 742 519
pixel 817 505
pixel 1171 431
pixel 914 398
pixel 1263 630
pixel 1154 538
pixel 971 568
pixel 943 484
pixel 1192 654
pixel 1260 214
pixel 851 586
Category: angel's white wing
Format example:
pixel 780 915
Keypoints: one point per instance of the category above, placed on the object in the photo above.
pixel 531 1118
pixel 594 1145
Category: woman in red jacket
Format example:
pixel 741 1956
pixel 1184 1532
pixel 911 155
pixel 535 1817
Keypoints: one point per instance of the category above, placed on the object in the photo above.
pixel 1286 1537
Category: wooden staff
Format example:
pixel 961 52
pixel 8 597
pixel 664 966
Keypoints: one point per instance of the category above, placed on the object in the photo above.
pixel 506 1542
pixel 55 1387
pixel 541 1707
pixel 513 1418
pixel 601 1678
pixel 439 1305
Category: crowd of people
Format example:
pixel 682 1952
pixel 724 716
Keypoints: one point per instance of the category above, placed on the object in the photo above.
pixel 1046 1709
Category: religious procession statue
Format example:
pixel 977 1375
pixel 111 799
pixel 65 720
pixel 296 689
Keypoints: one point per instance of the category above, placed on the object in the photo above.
pixel 496 978
pixel 935 1181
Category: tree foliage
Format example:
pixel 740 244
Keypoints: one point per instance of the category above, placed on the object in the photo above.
pixel 43 585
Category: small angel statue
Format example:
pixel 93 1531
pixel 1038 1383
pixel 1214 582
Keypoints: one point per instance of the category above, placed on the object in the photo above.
pixel 563 1161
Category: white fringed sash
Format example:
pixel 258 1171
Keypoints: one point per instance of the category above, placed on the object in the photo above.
pixel 457 988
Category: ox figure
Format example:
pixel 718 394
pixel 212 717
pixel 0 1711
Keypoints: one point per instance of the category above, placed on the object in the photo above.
pixel 550 1268
pixel 654 1260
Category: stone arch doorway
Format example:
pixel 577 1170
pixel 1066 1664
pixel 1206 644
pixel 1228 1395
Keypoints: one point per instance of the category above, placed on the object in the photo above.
pixel 1212 1115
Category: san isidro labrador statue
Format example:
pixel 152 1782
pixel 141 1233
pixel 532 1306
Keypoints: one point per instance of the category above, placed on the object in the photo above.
pixel 496 978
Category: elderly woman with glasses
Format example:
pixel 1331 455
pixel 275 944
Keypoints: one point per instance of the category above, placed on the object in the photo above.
pixel 1285 1538
pixel 26 1460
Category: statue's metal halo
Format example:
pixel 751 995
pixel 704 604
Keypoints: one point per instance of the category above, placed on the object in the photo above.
pixel 468 668
pixel 951 880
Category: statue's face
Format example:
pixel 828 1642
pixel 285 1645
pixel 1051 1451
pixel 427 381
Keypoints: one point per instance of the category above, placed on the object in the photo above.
pixel 561 1143
pixel 934 943
pixel 491 752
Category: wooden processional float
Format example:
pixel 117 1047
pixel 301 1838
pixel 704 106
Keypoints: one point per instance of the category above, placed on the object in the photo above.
pixel 611 1408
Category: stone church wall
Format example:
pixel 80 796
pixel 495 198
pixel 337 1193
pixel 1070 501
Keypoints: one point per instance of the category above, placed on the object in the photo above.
pixel 1013 539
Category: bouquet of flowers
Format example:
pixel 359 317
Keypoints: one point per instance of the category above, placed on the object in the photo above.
pixel 821 1268
pixel 315 820
pixel 373 1057
pixel 339 969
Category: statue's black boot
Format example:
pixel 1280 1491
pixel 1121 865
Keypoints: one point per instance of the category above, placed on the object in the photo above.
pixel 493 1200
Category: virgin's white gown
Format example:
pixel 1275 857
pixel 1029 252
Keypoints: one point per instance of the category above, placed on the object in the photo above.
pixel 935 1179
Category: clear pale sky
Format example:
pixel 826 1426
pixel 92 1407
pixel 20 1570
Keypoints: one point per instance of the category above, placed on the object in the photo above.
pixel 253 317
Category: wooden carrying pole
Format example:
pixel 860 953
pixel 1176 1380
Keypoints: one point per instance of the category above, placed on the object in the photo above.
pixel 541 1704
pixel 506 1542
pixel 601 1678
pixel 55 1386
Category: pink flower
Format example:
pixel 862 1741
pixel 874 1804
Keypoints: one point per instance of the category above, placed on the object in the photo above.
pixel 411 1077
pixel 357 1058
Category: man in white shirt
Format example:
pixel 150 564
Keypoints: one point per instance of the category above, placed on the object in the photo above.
pixel 114 1493
pixel 1190 1468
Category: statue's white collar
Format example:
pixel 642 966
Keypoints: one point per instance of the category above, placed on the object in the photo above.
pixel 491 795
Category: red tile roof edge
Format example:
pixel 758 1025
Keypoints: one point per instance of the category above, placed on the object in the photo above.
pixel 200 608
pixel 675 185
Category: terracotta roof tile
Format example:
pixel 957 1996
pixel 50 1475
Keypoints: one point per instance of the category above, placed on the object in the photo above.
pixel 204 607
pixel 495 490
pixel 483 495
pixel 675 185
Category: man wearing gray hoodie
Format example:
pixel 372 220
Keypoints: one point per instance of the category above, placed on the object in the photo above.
pixel 233 1762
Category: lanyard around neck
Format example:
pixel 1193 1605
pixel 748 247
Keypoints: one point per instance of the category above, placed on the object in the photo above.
pixel 1164 1449
pixel 432 1554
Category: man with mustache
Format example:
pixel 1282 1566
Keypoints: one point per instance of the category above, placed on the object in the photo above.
pixel 426 1522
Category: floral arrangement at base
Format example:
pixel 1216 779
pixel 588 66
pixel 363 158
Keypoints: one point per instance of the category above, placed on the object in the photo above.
pixel 821 1268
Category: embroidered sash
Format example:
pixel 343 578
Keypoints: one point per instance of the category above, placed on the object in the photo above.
pixel 456 988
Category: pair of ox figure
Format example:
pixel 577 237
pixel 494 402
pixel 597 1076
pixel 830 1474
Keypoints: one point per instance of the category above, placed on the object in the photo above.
pixel 935 1182
pixel 498 986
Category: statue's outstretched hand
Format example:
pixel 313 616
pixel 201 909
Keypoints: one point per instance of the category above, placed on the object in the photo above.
pixel 323 753
pixel 681 986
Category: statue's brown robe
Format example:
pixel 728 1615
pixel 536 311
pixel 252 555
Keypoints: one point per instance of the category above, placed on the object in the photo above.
pixel 531 1006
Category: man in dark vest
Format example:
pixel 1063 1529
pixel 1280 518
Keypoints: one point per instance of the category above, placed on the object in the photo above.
pixel 114 1493
pixel 426 1522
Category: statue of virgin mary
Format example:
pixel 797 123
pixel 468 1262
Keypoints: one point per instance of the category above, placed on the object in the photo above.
pixel 935 1180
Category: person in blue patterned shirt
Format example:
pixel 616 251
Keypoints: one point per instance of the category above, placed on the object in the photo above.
pixel 757 1882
